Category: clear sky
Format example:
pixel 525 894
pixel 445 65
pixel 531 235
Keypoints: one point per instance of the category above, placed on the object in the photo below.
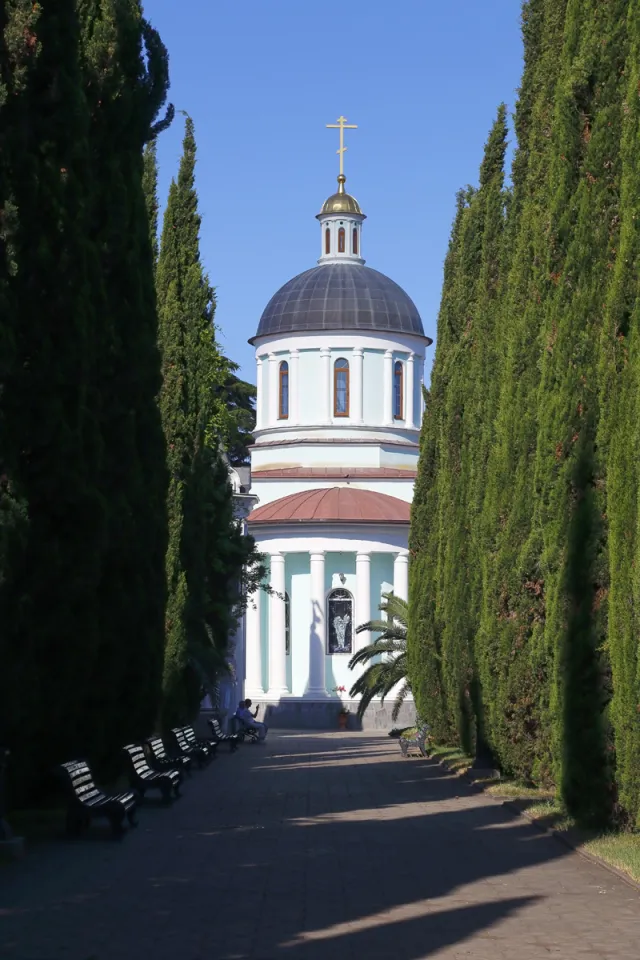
pixel 261 78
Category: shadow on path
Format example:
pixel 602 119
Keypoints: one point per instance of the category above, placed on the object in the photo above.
pixel 319 845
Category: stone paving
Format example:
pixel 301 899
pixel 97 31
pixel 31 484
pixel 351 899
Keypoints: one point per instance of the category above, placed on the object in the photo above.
pixel 312 846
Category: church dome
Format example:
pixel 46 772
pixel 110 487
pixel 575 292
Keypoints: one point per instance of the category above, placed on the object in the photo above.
pixel 340 296
pixel 341 202
pixel 337 504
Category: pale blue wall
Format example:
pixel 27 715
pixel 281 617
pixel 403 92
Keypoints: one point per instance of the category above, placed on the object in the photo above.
pixel 336 666
pixel 373 386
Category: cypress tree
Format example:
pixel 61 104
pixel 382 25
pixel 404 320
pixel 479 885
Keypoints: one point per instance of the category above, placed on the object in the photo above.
pixel 459 420
pixel 192 369
pixel 618 444
pixel 150 187
pixel 47 444
pixel 126 76
pixel 584 237
pixel 514 666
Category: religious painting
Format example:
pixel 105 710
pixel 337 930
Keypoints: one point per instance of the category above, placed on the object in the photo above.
pixel 340 621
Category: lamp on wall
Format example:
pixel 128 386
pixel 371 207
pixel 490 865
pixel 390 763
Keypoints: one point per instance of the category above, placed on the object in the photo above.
pixel 342 578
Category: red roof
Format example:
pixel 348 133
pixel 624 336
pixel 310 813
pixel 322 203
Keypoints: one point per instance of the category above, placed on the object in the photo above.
pixel 341 504
pixel 335 473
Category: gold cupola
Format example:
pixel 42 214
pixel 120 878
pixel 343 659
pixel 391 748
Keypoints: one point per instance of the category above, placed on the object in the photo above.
pixel 341 202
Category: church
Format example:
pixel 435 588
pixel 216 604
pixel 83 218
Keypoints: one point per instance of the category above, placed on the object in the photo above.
pixel 340 353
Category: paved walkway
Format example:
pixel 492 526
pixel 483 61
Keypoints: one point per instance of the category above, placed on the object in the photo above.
pixel 314 847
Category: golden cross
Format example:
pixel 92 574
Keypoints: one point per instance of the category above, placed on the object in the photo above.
pixel 342 125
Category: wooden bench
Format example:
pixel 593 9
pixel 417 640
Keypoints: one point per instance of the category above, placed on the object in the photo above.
pixel 419 741
pixel 142 777
pixel 231 738
pixel 205 743
pixel 85 800
pixel 185 749
pixel 160 760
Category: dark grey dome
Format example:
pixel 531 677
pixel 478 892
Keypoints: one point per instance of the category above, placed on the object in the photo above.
pixel 340 296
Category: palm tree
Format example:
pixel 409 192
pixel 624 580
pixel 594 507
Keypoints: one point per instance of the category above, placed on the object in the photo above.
pixel 382 676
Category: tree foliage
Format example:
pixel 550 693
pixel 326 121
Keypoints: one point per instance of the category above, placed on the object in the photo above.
pixel 207 551
pixel 522 631
pixel 386 657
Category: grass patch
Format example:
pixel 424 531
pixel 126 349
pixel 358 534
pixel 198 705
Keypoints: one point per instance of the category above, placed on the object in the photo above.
pixel 451 757
pixel 517 789
pixel 621 850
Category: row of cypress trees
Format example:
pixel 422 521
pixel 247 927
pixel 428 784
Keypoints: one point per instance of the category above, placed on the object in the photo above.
pixel 524 592
pixel 88 506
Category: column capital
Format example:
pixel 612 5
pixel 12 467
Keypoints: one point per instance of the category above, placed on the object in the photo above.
pixel 360 557
pixel 316 554
pixel 259 360
pixel 402 557
pixel 294 354
pixel 412 355
pixel 277 557
pixel 325 352
pixel 388 354
pixel 272 357
pixel 358 352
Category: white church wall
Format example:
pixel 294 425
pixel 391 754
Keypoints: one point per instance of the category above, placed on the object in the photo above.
pixel 373 393
pixel 352 452
pixel 336 538
pixel 269 490
pixel 309 386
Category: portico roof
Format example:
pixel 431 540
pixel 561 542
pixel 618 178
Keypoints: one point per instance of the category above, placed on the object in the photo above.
pixel 335 504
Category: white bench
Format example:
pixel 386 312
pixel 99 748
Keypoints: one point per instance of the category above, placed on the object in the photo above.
pixel 418 741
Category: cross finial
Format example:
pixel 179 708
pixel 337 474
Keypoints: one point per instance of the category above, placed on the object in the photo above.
pixel 342 125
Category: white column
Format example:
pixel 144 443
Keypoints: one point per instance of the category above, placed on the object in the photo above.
pixel 357 359
pixel 410 392
pixel 387 389
pixel 317 635
pixel 363 598
pixel 325 374
pixel 273 390
pixel 420 361
pixel 259 392
pixel 277 639
pixel 294 389
pixel 401 576
pixel 253 647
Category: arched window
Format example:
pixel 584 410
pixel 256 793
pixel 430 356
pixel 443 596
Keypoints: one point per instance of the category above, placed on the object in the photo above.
pixel 341 240
pixel 398 391
pixel 340 621
pixel 287 624
pixel 283 391
pixel 341 388
pixel 327 241
pixel 355 241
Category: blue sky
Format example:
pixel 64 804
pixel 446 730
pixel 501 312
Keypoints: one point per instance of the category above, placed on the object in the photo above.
pixel 261 78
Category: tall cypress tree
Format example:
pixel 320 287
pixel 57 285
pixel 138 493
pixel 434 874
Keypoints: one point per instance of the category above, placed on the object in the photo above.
pixel 449 492
pixel 126 76
pixel 49 624
pixel 192 368
pixel 514 663
pixel 619 442
pixel 150 187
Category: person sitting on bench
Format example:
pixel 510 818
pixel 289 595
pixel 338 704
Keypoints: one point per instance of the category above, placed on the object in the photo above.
pixel 249 719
